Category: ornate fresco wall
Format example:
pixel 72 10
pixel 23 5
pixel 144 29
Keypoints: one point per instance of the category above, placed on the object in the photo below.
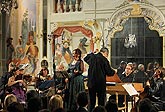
pixel 23 32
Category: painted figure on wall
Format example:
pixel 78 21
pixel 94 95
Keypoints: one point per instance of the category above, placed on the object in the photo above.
pixel 10 51
pixel 24 28
pixel 66 52
pixel 31 54
pixel 82 45
pixel 61 64
pixel 19 52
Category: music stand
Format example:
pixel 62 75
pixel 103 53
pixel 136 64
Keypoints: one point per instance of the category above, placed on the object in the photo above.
pixel 60 79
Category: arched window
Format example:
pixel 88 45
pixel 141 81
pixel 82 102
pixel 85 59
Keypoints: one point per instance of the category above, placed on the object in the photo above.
pixel 136 43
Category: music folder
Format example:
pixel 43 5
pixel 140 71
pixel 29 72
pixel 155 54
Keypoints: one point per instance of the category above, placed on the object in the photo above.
pixel 130 89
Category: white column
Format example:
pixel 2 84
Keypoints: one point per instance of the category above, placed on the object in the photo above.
pixel 39 29
pixel 49 47
pixel 163 51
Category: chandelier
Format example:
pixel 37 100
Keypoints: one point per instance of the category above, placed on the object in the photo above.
pixel 7 5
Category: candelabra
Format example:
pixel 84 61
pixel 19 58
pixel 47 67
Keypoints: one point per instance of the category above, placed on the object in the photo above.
pixel 7 5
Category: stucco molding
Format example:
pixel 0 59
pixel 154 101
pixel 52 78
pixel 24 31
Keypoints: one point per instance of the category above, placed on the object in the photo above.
pixel 153 16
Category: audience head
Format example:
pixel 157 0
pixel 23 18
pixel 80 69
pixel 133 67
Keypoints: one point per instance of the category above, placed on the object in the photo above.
pixel 55 102
pixel 99 109
pixel 82 99
pixel 31 94
pixel 145 105
pixel 10 98
pixel 111 106
pixel 34 104
pixel 15 107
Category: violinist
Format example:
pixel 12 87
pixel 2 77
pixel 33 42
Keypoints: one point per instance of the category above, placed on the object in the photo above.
pixel 153 91
pixel 156 83
pixel 17 84
pixel 44 80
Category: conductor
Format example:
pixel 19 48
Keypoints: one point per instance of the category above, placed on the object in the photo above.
pixel 99 67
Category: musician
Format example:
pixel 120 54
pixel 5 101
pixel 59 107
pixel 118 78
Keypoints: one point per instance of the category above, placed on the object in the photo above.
pixel 121 68
pixel 4 80
pixel 141 76
pixel 127 77
pixel 156 83
pixel 153 91
pixel 76 80
pixel 147 94
pixel 17 84
pixel 44 80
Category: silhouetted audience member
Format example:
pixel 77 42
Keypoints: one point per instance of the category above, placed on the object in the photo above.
pixel 55 102
pixel 82 101
pixel 111 106
pixel 15 107
pixel 99 109
pixel 44 110
pixel 59 110
pixel 31 94
pixel 10 98
pixel 34 104
pixel 145 105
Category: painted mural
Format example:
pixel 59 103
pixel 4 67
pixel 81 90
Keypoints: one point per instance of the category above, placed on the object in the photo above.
pixel 64 46
pixel 26 50
pixel 86 37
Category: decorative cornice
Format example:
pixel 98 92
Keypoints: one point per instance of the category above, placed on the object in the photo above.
pixel 151 14
pixel 126 3
pixel 95 27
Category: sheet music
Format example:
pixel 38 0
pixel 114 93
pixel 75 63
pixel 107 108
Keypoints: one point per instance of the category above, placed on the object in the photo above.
pixel 130 89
